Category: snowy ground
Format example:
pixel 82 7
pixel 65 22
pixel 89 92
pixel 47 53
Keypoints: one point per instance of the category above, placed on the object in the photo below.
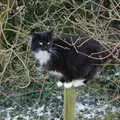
pixel 87 107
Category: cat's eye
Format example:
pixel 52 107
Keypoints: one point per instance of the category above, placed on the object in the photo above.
pixel 40 43
pixel 48 43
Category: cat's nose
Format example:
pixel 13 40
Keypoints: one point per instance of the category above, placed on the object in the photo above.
pixel 46 47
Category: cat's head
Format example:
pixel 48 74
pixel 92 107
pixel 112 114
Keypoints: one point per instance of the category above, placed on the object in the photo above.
pixel 41 41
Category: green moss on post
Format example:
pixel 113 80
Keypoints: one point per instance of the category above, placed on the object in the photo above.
pixel 69 103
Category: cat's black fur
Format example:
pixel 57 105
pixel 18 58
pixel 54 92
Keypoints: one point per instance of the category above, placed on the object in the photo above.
pixel 64 56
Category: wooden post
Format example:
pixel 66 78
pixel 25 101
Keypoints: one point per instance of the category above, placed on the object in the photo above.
pixel 69 103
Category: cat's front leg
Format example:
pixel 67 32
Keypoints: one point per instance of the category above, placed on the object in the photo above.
pixel 59 84
pixel 58 76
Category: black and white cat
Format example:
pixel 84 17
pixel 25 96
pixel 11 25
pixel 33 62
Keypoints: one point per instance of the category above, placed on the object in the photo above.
pixel 67 57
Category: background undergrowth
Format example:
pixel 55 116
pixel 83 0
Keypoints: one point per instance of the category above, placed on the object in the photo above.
pixel 20 81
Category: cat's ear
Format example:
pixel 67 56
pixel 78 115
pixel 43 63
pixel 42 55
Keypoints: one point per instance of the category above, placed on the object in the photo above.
pixel 30 37
pixel 35 34
pixel 50 33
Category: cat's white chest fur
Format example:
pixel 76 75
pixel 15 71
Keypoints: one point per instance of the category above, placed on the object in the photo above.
pixel 43 56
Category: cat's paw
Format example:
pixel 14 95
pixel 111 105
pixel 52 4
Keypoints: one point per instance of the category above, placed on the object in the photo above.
pixel 59 84
pixel 56 74
pixel 68 84
pixel 78 83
